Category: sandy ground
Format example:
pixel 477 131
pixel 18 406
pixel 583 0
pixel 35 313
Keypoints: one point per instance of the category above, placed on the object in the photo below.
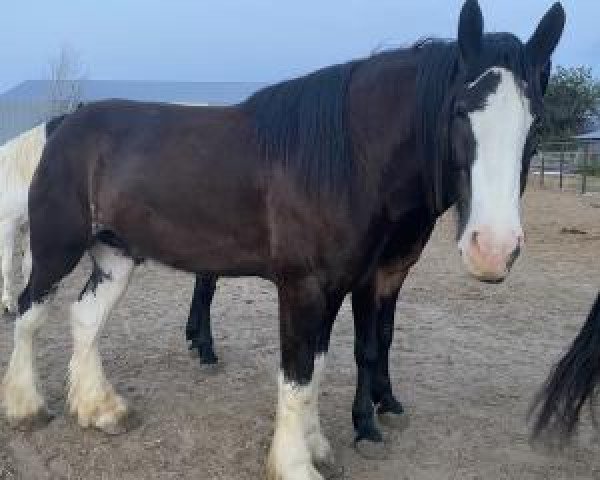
pixel 466 361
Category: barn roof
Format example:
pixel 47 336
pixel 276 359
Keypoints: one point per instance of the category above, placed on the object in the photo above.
pixel 27 104
pixel 215 93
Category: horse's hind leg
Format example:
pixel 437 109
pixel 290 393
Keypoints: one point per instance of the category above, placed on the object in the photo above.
pixel 8 237
pixel 198 328
pixel 21 399
pixel 91 397
pixel 27 260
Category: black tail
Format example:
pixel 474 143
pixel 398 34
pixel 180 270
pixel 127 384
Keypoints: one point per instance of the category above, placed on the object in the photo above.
pixel 573 381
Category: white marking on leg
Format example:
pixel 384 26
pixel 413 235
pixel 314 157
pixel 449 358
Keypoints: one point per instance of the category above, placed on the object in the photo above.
pixel 290 457
pixel 8 239
pixel 27 260
pixel 20 396
pixel 317 442
pixel 91 397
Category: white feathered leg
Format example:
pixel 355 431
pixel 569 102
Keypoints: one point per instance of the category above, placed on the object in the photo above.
pixel 91 397
pixel 20 397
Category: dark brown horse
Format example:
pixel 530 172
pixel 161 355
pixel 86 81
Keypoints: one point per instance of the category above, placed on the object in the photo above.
pixel 319 184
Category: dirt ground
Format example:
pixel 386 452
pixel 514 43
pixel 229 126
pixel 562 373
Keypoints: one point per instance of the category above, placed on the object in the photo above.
pixel 466 361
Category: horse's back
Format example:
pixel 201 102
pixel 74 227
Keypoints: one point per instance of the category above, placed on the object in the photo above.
pixel 164 178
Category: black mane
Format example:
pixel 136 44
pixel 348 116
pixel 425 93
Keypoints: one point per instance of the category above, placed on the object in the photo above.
pixel 439 74
pixel 302 124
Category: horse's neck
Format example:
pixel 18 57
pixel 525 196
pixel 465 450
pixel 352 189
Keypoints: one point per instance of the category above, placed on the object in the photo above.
pixel 19 158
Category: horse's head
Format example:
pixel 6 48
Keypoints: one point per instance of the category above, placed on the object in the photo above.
pixel 492 119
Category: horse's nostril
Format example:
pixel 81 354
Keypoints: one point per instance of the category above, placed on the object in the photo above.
pixel 474 236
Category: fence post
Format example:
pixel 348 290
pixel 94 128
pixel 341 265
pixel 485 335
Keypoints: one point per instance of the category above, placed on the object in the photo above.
pixel 542 172
pixel 561 166
pixel 586 152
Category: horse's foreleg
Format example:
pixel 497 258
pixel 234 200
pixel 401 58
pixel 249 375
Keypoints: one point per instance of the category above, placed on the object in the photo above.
pixel 382 387
pixel 298 441
pixel 198 328
pixel 91 397
pixel 381 393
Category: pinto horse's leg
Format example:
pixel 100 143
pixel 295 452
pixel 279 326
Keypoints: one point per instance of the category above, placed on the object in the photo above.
pixel 198 328
pixel 21 400
pixel 298 441
pixel 26 261
pixel 364 309
pixel 91 397
pixel 381 389
pixel 8 238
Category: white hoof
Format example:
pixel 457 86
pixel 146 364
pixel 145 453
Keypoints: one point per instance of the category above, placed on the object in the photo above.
pixel 320 449
pixel 22 403
pixel 105 410
pixel 291 471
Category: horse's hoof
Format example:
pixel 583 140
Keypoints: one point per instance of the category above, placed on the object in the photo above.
pixel 36 421
pixel 206 352
pixel 207 357
pixel 390 413
pixel 371 450
pixel 393 420
pixel 116 426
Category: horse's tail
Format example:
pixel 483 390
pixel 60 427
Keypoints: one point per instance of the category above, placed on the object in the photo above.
pixel 571 383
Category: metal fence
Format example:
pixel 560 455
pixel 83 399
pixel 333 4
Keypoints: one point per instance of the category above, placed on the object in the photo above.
pixel 569 166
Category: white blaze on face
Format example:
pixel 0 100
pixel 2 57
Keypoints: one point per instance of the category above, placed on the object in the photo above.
pixel 493 231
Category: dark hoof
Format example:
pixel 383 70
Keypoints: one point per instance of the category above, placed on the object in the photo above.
pixel 207 356
pixel 390 413
pixel 206 352
pixel 371 450
pixel 368 432
pixel 34 422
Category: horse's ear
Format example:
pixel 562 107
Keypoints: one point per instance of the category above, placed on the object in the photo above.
pixel 470 32
pixel 546 36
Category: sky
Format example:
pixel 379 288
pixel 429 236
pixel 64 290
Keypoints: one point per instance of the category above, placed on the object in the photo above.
pixel 252 40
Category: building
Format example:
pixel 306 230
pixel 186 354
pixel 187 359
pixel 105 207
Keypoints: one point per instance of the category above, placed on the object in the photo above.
pixel 27 104
pixel 591 140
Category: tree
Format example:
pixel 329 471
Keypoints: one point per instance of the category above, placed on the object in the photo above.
pixel 66 76
pixel 571 100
